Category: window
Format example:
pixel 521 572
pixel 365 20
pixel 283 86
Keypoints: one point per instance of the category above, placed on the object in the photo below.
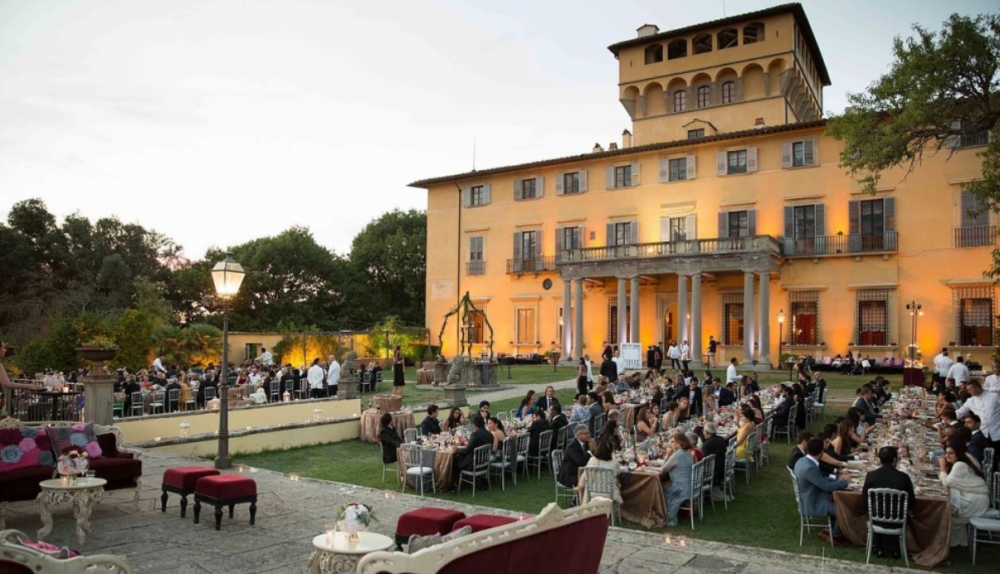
pixel 733 224
pixel 872 225
pixel 477 252
pixel 753 33
pixel 804 221
pixel 680 100
pixel 702 43
pixel 623 176
pixel 477 195
pixel 569 238
pixel 527 252
pixel 803 225
pixel 728 92
pixel 612 337
pixel 736 161
pixel 976 310
pixel 975 229
pixel 803 324
pixel 654 53
pixel 529 244
pixel 732 319
pixel 528 189
pixel 677 49
pixel 678 169
pixel 570 183
pixel 704 96
pixel 623 234
pixel 798 153
pixel 525 327
pixel 678 229
pixel 698 133
pixel 872 317
pixel 729 38
pixel 477 333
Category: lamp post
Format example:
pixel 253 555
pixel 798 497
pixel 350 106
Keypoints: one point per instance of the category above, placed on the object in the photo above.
pixel 227 276
pixel 916 310
pixel 510 359
pixel 781 337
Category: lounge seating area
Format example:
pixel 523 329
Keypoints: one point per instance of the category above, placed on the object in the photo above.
pixel 20 555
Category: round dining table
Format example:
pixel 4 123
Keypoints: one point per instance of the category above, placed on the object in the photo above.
pixel 55 396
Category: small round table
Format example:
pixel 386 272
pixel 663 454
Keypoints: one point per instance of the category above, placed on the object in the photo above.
pixel 82 493
pixel 340 556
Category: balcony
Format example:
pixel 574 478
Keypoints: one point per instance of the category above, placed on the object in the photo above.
pixel 540 264
pixel 475 268
pixel 849 244
pixel 666 249
pixel 975 236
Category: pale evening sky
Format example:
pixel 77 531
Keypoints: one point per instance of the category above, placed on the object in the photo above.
pixel 219 121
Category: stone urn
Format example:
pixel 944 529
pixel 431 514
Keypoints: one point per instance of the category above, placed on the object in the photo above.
pixel 96 354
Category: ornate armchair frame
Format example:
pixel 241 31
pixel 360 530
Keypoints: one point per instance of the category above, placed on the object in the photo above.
pixel 37 561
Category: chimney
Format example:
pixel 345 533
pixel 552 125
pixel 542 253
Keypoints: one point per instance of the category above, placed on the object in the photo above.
pixel 647 30
pixel 626 139
pixel 612 146
pixel 759 123
pixel 598 148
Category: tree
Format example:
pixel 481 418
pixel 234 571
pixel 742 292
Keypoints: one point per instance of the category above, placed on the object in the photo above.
pixel 941 87
pixel 390 256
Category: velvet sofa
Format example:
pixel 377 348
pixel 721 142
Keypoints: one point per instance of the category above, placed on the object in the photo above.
pixel 121 467
pixel 556 540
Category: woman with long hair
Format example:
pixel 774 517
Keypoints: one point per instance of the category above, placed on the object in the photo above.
pixel 603 457
pixel 527 403
pixel 843 445
pixel 679 464
pixel 758 413
pixel 496 429
pixel 398 378
pixel 708 403
pixel 581 377
pixel 968 494
pixel 747 428
pixel 454 421
pixel 647 422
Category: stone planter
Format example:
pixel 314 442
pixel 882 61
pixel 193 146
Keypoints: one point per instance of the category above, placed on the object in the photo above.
pixel 97 354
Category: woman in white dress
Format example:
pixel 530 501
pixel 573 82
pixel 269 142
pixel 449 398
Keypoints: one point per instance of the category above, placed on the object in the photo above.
pixel 967 491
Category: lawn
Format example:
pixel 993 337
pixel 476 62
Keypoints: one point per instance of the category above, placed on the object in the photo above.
pixel 763 515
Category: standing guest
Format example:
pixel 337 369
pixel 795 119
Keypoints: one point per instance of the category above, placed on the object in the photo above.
pixel 389 439
pixel 609 369
pixel 455 420
pixel 289 382
pixel 658 356
pixel 527 403
pixel 713 346
pixel 398 380
pixel 608 353
pixel 685 355
pixel 674 353
pixel 731 375
pixel 619 365
pixel 576 455
pixel 539 424
pixel 815 489
pixel 967 491
pixel 430 425
pixel 942 363
pixel 265 357
pixel 333 375
pixel 158 365
pixel 581 377
pixel 604 458
pixel 315 376
pixel 958 371
pixel 590 372
pixel 992 385
pixel 465 458
pixel 546 402
pixel 679 464
pixel 694 398
pixel 708 403
pixel 887 476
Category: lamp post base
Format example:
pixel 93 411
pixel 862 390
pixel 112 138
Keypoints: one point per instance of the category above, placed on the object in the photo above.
pixel 223 462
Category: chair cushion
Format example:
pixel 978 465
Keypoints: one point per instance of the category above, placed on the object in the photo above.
pixel 419 470
pixel 25 447
pixel 428 521
pixel 109 446
pixel 418 542
pixel 186 477
pixel 990 524
pixel 991 513
pixel 80 436
pixel 117 470
pixel 483 521
pixel 226 486
pixel 22 483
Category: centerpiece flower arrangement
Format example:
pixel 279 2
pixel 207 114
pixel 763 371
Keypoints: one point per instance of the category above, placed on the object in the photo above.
pixel 353 518
pixel 72 462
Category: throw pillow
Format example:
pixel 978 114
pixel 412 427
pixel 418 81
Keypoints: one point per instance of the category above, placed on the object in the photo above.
pixel 80 436
pixel 51 549
pixel 418 543
pixel 25 447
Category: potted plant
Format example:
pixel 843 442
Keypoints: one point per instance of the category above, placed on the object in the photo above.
pixel 98 349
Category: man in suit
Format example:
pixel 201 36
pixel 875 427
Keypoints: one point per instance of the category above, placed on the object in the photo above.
pixel 783 410
pixel 887 476
pixel 559 420
pixel 864 403
pixel 466 458
pixel 727 395
pixel 694 397
pixel 815 490
pixel 539 424
pixel 575 456
pixel 430 425
pixel 799 450
pixel 973 423
pixel 546 402
pixel 714 444
pixel 595 404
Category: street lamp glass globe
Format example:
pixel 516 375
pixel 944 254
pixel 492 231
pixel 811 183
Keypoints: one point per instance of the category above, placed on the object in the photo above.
pixel 227 276
pixel 781 316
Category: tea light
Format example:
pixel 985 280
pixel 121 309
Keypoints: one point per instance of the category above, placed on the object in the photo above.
pixel 185 427
pixel 287 397
pixel 64 480
pixel 293 477
pixel 317 413
pixel 248 429
pixel 389 495
pixel 157 439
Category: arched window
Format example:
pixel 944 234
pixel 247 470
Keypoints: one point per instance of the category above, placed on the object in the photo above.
pixel 654 53
pixel 728 38
pixel 677 49
pixel 728 92
pixel 680 100
pixel 753 33
pixel 704 96
pixel 702 43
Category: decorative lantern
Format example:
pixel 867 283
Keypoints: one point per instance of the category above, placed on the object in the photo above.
pixel 185 427
pixel 287 397
pixel 317 413
pixel 214 404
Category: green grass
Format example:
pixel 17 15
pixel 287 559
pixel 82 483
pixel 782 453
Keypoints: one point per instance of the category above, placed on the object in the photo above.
pixel 763 515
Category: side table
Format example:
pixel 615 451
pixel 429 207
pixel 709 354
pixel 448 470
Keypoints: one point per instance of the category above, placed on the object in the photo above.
pixel 82 493
pixel 338 556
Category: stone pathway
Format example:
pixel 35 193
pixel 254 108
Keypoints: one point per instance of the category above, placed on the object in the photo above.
pixel 290 513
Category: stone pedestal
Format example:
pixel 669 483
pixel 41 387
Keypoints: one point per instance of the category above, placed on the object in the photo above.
pixel 480 374
pixel 441 372
pixel 98 396
pixel 455 395
pixel 349 388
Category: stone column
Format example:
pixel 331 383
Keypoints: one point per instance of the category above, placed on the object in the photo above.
pixel 764 343
pixel 747 317
pixel 622 310
pixel 682 308
pixel 98 396
pixel 578 318
pixel 634 335
pixel 567 342
pixel 695 340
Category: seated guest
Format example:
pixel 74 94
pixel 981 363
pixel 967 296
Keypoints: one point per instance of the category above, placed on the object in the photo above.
pixel 965 435
pixel 967 491
pixel 389 439
pixel 539 424
pixel 604 458
pixel 454 421
pixel 671 418
pixel 973 423
pixel 712 444
pixel 647 422
pixel 815 488
pixel 747 428
pixel 430 425
pixel 611 433
pixel 580 414
pixel 576 455
pixel 496 429
pixel 780 414
pixel 799 450
pixel 608 401
pixel 758 412
pixel 527 403
pixel 887 476
pixel 595 404
pixel 867 407
pixel 559 420
pixel 727 396
pixel 465 458
pixel 679 464
pixel 547 401
pixel 484 410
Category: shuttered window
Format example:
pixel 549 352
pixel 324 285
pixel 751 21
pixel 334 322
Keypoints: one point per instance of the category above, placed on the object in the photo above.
pixel 477 252
pixel 476 195
pixel 529 188
pixel 525 326
pixel 871 318
pixel 732 319
pixel 975 308
pixel 803 326
pixel 728 92
pixel 477 334
pixel 872 225
pixel 800 153
pixel 738 223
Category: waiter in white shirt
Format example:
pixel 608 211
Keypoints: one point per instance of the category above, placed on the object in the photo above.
pixel 333 375
pixel 731 375
pixel 958 371
pixel 265 357
pixel 315 377
pixel 942 362
pixel 992 382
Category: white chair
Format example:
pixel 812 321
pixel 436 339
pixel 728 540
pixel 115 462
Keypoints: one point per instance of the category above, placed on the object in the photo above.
pixel 807 522
pixel 503 416
pixel 600 481
pixel 190 403
pixel 413 467
pixel 209 395
pixel 174 400
pixel 480 469
pixel 507 462
pixel 137 403
pixel 985 529
pixel 746 465
pixel 561 491
pixel 706 484
pixel 729 477
pixel 159 402
pixel 597 424
pixel 521 460
pixel 561 436
pixel 886 516
pixel 60 562
pixel 697 478
pixel 789 429
pixel 410 435
pixel 275 391
pixel 764 444
pixel 542 456
pixel 989 456
pixel 820 403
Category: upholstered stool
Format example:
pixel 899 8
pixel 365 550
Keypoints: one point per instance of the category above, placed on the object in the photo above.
pixel 482 522
pixel 181 480
pixel 225 490
pixel 425 521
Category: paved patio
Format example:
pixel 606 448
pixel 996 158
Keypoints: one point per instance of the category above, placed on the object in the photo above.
pixel 290 513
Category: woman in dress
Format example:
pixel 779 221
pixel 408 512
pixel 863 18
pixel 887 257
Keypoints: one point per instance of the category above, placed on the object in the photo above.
pixel 843 445
pixel 496 429
pixel 647 422
pixel 679 463
pixel 967 491
pixel 747 428
pixel 398 380
pixel 454 421
pixel 527 403
pixel 758 413
pixel 708 401
pixel 581 378
pixel 389 439
pixel 604 458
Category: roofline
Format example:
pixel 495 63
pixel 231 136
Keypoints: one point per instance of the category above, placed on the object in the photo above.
pixel 796 10
pixel 426 183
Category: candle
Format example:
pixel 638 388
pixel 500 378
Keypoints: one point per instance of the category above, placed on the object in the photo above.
pixel 293 477
pixel 157 439
pixel 64 480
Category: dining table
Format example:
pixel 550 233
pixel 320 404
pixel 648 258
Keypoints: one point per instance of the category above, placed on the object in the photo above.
pixel 57 413
pixel 440 459
pixel 371 424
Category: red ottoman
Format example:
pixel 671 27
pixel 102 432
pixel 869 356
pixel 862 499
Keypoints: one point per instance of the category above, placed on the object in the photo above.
pixel 482 522
pixel 225 490
pixel 181 480
pixel 425 521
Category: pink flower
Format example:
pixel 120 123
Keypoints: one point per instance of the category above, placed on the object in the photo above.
pixel 79 426
pixel 41 432
pixel 27 444
pixel 93 449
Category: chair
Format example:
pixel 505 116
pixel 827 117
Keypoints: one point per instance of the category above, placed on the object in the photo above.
pixel 507 462
pixel 561 491
pixel 697 479
pixel 209 395
pixel 984 526
pixel 480 469
pixel 561 437
pixel 190 403
pixel 173 400
pixel 886 515
pixel 596 424
pixel 137 403
pixel 820 404
pixel 521 460
pixel 390 467
pixel 729 480
pixel 808 405
pixel 807 522
pixel 366 382
pixel 764 444
pixel 989 457
pixel 275 391
pixel 601 482
pixel 118 409
pixel 542 457
pixel 746 464
pixel 413 467
pixel 503 416
pixel 706 484
pixel 410 435
pixel 789 429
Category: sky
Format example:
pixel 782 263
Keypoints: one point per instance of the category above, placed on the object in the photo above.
pixel 216 122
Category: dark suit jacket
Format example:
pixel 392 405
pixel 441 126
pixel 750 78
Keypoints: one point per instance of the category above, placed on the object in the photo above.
pixel 888 477
pixel 543 404
pixel 870 416
pixel 717 446
pixel 727 397
pixel 390 441
pixel 780 415
pixel 794 456
pixel 430 426
pixel 534 431
pixel 695 402
pixel 980 440
pixel 574 457
pixel 557 422
pixel 479 438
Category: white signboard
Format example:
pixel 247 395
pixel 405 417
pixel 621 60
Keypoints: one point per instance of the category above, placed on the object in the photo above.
pixel 631 353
